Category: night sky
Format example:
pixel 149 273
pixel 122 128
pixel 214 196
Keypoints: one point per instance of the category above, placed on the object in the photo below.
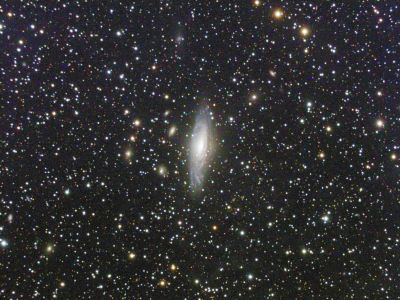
pixel 199 149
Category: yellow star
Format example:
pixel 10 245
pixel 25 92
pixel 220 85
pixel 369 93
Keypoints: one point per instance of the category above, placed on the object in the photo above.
pixel 305 31
pixel 277 14
pixel 257 2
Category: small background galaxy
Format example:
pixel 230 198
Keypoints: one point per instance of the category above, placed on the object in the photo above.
pixel 98 102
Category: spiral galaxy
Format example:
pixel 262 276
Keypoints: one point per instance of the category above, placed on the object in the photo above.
pixel 200 146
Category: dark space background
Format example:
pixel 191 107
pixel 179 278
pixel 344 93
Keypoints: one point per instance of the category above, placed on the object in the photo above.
pixel 301 195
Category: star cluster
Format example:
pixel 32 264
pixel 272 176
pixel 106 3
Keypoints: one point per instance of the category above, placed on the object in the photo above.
pixel 98 103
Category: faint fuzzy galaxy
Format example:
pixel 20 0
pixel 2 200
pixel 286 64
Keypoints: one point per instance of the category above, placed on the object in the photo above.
pixel 199 149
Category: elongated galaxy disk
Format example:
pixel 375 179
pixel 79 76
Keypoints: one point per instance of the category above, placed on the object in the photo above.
pixel 200 146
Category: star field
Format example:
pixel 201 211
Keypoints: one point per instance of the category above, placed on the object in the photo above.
pixel 299 168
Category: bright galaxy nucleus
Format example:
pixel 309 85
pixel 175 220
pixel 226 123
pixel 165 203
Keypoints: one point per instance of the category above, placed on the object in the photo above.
pixel 200 148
